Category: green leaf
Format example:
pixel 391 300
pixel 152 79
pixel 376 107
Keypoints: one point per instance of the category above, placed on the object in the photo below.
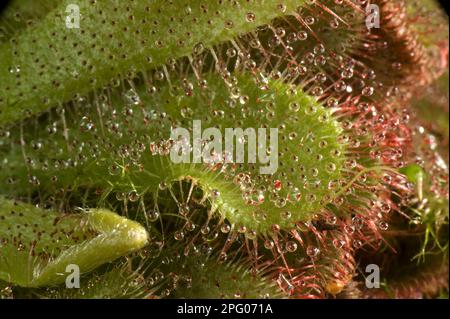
pixel 48 63
pixel 37 245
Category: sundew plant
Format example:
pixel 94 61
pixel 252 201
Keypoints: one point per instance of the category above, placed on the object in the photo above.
pixel 347 100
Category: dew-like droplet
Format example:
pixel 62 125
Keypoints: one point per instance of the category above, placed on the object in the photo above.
pixel 133 196
pixel 241 229
pixel 291 246
pixel 277 185
pixel 33 180
pixel 312 251
pixel 163 186
pixel 132 97
pixel 286 215
pixel 357 243
pixel 215 193
pixel 205 230
pixel 294 106
pixel 368 91
pixel 302 35
pixel 231 52
pixel 14 69
pixel 250 17
pixel 383 225
pixel 280 202
pixel 349 229
pixel 281 7
pixel 198 48
pixel 269 244
pixel 153 215
pixel 338 243
pixel 183 209
pixel 114 169
pixel 120 196
pixel 223 257
pixel 225 228
pixel 310 20
pixel 186 112
pixel 358 222
pixel 159 75
pixel 229 24
pixel 250 234
pixel 178 235
pixel 385 208
pixel 190 226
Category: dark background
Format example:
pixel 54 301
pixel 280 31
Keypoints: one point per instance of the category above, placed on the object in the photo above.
pixel 3 4
pixel 444 3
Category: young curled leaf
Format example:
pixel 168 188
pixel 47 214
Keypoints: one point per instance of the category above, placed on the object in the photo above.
pixel 37 245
